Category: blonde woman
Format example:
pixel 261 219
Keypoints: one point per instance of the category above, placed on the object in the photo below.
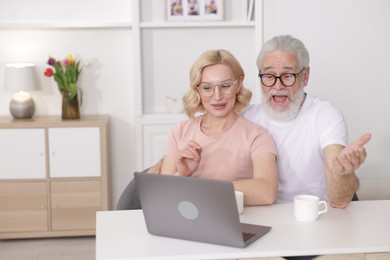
pixel 217 142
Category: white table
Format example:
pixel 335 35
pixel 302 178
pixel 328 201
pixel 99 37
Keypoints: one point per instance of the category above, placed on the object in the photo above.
pixel 363 227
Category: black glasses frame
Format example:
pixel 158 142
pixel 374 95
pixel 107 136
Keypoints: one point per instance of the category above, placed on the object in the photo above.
pixel 280 78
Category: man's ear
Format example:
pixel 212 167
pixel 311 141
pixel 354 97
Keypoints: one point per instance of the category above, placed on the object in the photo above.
pixel 306 75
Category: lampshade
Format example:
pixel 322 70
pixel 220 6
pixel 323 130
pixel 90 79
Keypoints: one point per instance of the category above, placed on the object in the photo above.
pixel 20 78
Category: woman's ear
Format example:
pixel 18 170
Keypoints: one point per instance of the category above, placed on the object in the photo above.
pixel 240 83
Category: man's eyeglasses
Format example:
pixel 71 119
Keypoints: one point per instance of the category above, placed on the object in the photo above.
pixel 227 87
pixel 287 79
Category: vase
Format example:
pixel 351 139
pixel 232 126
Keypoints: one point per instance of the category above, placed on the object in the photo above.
pixel 70 107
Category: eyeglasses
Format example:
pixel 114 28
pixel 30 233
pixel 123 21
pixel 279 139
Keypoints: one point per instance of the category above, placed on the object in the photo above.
pixel 287 79
pixel 227 87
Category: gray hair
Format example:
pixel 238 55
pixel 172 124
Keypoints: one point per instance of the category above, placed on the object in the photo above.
pixel 285 43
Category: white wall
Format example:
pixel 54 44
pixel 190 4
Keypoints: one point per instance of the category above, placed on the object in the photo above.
pixel 349 45
pixel 348 41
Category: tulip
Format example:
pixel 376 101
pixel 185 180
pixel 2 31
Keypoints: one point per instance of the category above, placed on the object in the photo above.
pixel 49 72
pixel 51 61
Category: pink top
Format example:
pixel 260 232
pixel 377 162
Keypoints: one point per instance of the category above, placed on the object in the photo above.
pixel 224 157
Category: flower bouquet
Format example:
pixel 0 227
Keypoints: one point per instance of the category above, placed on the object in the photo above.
pixel 66 74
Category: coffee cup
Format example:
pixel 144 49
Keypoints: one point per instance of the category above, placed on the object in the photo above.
pixel 308 207
pixel 239 201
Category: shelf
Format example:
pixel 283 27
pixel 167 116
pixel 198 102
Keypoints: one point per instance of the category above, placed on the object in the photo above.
pixel 66 25
pixel 157 25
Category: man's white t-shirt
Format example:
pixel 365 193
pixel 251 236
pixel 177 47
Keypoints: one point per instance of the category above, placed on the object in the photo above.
pixel 300 143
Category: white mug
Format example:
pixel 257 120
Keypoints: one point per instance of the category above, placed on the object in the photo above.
pixel 239 201
pixel 307 207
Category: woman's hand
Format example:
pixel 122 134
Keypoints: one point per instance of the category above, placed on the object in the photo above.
pixel 188 158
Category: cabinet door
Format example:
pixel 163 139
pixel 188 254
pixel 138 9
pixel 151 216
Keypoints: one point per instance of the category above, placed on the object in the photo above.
pixel 74 204
pixel 22 154
pixel 74 152
pixel 23 207
pixel 155 139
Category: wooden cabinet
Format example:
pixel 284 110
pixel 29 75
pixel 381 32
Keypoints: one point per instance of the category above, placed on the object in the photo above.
pixel 53 176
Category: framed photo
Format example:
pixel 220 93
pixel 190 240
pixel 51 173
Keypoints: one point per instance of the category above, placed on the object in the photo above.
pixel 194 10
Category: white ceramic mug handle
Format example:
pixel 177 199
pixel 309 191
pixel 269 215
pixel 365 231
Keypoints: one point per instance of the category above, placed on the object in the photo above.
pixel 325 207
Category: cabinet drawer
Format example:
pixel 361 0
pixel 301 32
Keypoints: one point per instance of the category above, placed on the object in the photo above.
pixel 23 207
pixel 74 204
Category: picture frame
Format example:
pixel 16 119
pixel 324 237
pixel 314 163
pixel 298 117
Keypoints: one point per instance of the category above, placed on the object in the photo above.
pixel 194 10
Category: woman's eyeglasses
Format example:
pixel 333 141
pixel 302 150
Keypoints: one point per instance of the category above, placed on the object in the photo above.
pixel 227 87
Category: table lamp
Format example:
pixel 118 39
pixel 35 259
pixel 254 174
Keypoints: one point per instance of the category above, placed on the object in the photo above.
pixel 20 78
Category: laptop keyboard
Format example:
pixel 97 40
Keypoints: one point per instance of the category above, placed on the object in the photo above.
pixel 247 236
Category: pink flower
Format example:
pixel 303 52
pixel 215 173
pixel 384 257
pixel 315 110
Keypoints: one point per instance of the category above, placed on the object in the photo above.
pixel 66 62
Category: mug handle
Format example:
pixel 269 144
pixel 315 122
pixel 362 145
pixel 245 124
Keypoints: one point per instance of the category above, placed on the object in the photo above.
pixel 325 207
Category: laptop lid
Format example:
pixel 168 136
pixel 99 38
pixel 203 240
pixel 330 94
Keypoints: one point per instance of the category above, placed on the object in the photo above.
pixel 193 209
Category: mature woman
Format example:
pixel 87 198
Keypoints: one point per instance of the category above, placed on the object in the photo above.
pixel 220 143
pixel 216 142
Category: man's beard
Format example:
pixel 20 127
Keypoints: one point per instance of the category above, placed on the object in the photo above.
pixel 293 109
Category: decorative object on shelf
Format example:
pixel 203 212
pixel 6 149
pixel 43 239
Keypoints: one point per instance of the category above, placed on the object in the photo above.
pixel 194 10
pixel 70 106
pixel 174 105
pixel 66 74
pixel 20 78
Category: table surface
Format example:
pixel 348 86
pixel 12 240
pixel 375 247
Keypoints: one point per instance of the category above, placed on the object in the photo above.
pixel 362 227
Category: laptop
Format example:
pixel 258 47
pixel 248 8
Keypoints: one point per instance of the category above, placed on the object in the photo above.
pixel 194 209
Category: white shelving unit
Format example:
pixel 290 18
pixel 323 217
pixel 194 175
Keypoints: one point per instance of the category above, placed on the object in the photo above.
pixel 163 53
